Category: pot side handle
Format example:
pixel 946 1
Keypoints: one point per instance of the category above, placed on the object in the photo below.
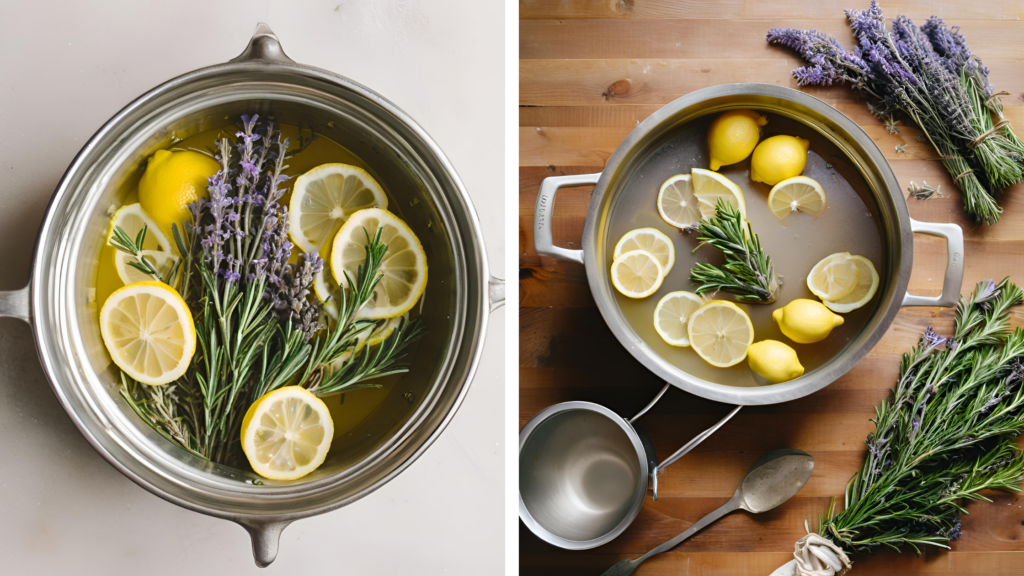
pixel 263 47
pixel 266 538
pixel 14 304
pixel 542 238
pixel 496 293
pixel 954 278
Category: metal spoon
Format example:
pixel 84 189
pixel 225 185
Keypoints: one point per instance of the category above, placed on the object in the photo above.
pixel 774 478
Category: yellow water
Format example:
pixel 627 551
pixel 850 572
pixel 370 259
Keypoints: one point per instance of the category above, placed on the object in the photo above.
pixel 350 409
pixel 795 244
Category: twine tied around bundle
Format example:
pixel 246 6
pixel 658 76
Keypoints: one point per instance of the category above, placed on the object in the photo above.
pixel 815 556
pixel 989 133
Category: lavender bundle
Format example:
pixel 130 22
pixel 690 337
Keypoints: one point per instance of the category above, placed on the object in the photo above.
pixel 257 329
pixel 932 77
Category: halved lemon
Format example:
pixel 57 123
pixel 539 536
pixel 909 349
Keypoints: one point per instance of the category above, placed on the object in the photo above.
pixel 131 218
pixel 677 202
pixel 720 332
pixel 161 261
pixel 862 293
pixel 673 313
pixel 637 274
pixel 709 186
pixel 324 198
pixel 652 240
pixel 148 331
pixel 404 266
pixel 286 433
pixel 797 193
pixel 834 276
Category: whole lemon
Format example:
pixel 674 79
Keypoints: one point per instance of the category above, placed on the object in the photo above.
pixel 806 321
pixel 778 158
pixel 774 361
pixel 172 181
pixel 733 136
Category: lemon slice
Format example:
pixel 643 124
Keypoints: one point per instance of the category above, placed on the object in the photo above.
pixel 672 314
pixel 131 219
pixel 286 433
pixel 709 186
pixel 324 198
pixel 404 266
pixel 862 293
pixel 834 276
pixel 637 274
pixel 720 332
pixel 652 240
pixel 161 261
pixel 148 331
pixel 325 288
pixel 677 202
pixel 796 193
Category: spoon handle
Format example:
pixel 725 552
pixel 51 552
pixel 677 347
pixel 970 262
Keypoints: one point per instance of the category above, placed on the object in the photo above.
pixel 626 567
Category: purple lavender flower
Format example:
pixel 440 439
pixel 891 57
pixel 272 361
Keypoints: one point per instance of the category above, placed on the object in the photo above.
pixel 986 291
pixel 931 339
pixel 954 532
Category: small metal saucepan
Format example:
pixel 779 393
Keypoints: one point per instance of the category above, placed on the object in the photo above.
pixel 584 470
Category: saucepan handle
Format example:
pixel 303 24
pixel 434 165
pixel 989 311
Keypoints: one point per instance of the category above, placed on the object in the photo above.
pixel 954 278
pixel 542 238
pixel 14 304
pixel 686 447
pixel 266 537
pixel 496 293
pixel 263 47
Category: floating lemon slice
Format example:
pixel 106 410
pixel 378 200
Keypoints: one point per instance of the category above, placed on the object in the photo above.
pixel 324 198
pixel 834 276
pixel 677 202
pixel 404 266
pixel 862 293
pixel 131 218
pixel 286 433
pixel 148 331
pixel 161 261
pixel 651 240
pixel 709 186
pixel 673 313
pixel 637 274
pixel 797 193
pixel 720 332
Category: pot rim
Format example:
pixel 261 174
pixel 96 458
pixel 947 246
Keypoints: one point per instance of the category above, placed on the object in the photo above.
pixel 901 250
pixel 261 60
pixel 640 494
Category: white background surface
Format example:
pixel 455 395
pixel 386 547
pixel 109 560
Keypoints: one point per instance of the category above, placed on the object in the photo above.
pixel 65 68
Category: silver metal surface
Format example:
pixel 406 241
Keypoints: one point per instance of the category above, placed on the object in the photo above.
pixel 954 277
pixel 14 304
pixel 648 137
pixel 584 470
pixel 774 478
pixel 263 79
pixel 542 238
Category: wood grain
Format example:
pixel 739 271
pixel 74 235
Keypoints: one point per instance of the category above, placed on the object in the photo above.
pixel 590 72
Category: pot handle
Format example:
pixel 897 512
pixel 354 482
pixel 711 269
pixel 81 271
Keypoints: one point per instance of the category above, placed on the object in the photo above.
pixel 14 304
pixel 686 447
pixel 542 239
pixel 954 278
pixel 496 293
pixel 266 537
pixel 263 47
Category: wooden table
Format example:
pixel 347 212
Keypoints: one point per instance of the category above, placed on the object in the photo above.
pixel 590 71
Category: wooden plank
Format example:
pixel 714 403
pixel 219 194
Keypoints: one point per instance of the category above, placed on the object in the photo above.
pixel 697 38
pixel 740 9
pixel 640 81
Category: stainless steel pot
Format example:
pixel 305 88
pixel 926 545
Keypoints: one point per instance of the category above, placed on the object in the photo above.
pixel 651 135
pixel 458 301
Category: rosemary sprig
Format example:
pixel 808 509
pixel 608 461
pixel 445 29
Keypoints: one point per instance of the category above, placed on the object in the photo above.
pixel 123 242
pixel 946 433
pixel 748 272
